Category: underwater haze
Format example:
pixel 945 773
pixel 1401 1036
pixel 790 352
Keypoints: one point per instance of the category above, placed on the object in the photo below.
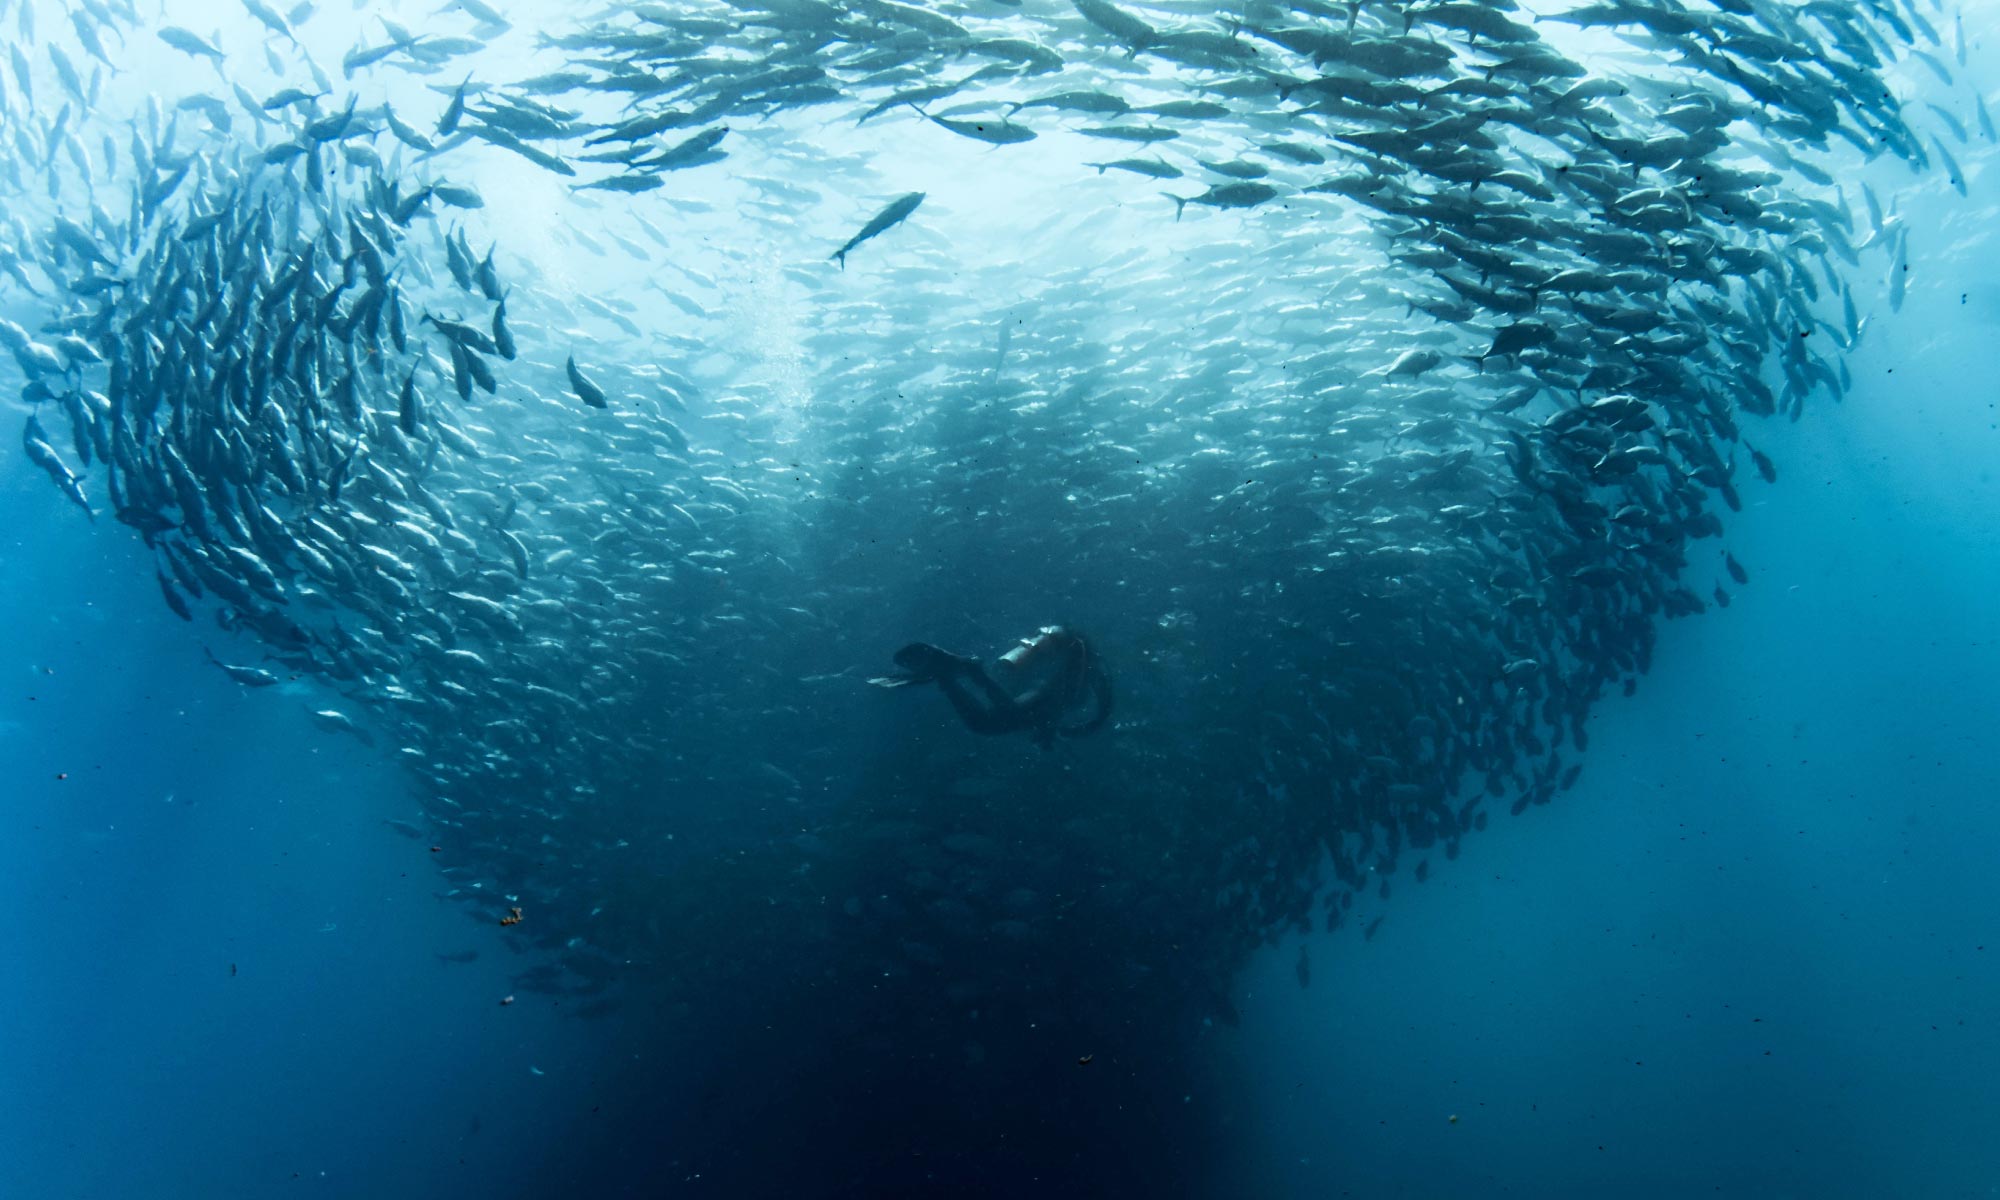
pixel 510 502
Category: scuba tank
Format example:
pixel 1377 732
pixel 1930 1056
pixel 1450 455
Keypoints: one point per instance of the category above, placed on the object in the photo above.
pixel 1033 649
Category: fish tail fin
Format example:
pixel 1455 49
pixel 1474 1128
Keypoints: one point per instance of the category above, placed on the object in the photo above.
pixel 1180 203
pixel 840 256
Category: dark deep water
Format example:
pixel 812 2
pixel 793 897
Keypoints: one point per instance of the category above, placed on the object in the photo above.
pixel 1751 953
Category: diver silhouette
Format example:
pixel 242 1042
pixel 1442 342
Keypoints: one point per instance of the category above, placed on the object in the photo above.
pixel 1067 692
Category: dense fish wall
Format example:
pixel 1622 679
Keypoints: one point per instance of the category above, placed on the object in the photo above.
pixel 1367 379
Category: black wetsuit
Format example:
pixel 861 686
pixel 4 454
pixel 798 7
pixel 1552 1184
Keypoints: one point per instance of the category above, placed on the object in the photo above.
pixel 988 708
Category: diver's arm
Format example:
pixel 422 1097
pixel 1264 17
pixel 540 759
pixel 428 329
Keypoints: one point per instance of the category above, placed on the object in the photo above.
pixel 1056 691
pixel 1100 691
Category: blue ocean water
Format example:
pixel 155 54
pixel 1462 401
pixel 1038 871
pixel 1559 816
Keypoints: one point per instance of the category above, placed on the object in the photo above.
pixel 1750 954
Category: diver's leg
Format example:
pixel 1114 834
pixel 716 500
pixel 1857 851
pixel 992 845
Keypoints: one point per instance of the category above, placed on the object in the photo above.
pixel 948 671
pixel 990 710
pixel 997 697
pixel 925 662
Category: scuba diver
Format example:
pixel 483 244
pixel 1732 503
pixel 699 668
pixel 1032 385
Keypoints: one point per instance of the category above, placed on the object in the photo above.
pixel 1068 693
